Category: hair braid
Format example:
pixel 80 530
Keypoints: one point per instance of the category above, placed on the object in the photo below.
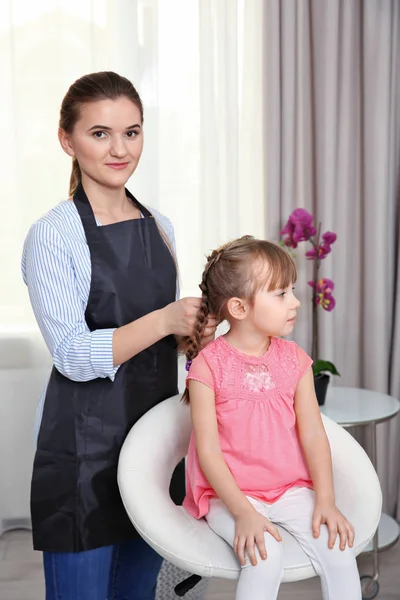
pixel 193 345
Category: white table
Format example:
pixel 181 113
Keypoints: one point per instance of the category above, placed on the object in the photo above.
pixel 354 407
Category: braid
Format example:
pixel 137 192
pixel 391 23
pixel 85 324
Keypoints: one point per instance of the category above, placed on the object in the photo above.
pixel 193 345
pixel 211 262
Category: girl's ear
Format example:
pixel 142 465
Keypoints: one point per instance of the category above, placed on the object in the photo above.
pixel 237 308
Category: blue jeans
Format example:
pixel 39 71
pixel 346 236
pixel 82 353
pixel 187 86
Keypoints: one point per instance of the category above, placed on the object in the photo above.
pixel 126 571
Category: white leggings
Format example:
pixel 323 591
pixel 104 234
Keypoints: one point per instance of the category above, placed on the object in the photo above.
pixel 336 568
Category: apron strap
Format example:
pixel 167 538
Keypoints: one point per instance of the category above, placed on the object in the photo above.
pixel 145 212
pixel 86 212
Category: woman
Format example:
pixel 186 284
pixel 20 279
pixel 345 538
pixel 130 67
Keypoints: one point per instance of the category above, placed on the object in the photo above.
pixel 101 275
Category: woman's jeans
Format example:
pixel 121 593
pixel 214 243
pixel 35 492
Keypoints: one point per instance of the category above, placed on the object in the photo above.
pixel 126 571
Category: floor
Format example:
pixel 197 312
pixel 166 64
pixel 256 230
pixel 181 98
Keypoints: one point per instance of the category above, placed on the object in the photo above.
pixel 21 575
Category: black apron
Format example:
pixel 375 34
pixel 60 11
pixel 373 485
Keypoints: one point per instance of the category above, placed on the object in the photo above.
pixel 75 501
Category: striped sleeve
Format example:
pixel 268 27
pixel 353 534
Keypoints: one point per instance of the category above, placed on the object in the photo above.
pixel 78 353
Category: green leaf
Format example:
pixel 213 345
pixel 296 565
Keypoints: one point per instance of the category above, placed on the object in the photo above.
pixel 325 366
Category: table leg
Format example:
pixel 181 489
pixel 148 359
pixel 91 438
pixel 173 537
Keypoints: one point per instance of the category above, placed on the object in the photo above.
pixel 370 584
pixel 374 459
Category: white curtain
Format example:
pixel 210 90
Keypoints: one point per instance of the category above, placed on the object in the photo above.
pixel 198 67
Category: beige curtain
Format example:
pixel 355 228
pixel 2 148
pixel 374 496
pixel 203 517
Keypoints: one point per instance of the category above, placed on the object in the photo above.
pixel 333 147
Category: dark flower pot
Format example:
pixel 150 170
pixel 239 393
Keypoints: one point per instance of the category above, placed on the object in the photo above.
pixel 321 382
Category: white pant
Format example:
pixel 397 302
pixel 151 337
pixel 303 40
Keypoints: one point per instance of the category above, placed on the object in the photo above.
pixel 336 568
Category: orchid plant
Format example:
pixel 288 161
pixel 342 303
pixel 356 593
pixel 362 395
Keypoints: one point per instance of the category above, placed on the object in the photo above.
pixel 300 228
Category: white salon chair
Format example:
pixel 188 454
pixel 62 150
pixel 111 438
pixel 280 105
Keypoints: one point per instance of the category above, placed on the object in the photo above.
pixel 160 440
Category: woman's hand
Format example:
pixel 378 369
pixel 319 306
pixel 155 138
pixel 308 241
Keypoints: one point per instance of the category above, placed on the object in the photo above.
pixel 180 317
pixel 250 529
pixel 336 523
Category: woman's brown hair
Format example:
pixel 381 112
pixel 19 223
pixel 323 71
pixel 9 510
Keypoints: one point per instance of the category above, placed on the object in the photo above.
pixel 231 272
pixel 92 88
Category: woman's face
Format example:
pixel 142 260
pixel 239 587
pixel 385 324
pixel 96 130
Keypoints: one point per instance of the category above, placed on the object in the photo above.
pixel 107 141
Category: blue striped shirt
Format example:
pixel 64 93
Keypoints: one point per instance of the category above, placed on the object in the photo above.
pixel 56 267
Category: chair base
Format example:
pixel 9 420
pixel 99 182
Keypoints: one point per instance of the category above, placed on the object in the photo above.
pixel 186 585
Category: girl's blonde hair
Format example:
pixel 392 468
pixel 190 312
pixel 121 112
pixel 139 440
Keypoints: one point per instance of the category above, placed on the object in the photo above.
pixel 229 273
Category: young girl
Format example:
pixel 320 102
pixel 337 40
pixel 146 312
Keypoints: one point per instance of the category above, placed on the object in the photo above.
pixel 259 455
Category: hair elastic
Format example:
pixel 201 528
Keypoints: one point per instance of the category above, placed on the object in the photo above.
pixel 188 363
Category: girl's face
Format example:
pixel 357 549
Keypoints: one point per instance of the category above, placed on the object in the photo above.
pixel 271 313
pixel 274 312
pixel 107 141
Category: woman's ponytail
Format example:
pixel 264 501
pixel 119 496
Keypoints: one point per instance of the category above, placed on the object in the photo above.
pixel 76 176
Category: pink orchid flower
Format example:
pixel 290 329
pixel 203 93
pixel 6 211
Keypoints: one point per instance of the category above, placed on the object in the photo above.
pixel 324 289
pixel 299 228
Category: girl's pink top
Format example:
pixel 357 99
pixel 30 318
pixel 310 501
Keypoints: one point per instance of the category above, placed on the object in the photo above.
pixel 254 398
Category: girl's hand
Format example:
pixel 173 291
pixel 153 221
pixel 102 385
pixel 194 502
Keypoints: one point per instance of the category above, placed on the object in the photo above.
pixel 336 523
pixel 250 529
